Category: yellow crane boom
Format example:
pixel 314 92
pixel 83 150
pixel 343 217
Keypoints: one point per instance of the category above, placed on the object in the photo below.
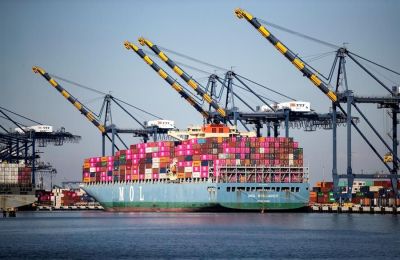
pixel 181 73
pixel 88 114
pixel 175 85
pixel 292 57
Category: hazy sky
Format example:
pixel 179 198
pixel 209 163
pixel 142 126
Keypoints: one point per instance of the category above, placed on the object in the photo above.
pixel 83 41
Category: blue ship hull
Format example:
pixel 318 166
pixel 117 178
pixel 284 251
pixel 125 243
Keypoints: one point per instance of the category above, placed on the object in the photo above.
pixel 199 196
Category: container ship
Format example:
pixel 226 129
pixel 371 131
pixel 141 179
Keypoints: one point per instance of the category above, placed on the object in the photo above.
pixel 210 168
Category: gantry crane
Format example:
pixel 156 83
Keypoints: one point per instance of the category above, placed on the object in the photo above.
pixel 103 128
pixel 350 100
pixel 309 121
pixel 15 145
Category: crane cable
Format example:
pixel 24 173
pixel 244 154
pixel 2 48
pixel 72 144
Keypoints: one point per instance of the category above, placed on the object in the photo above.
pixel 299 34
pixel 376 64
pixel 260 85
pixel 326 44
pixel 102 93
pixel 36 122
pixel 245 89
pixel 192 59
pixel 180 63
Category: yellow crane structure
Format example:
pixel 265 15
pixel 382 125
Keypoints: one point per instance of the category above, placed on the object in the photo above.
pixel 163 74
pixel 292 57
pixel 181 73
pixel 78 105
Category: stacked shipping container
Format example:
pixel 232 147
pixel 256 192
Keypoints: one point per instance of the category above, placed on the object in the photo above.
pixel 15 174
pixel 192 158
pixel 364 192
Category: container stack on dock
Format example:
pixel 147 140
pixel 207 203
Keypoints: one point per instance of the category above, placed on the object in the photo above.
pixel 192 158
pixel 364 193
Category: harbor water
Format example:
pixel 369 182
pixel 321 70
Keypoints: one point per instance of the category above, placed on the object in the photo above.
pixel 103 235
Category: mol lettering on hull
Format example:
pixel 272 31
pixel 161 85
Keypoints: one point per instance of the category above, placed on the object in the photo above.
pixel 131 193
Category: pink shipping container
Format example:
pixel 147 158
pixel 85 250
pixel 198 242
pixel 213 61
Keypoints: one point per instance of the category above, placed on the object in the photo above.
pixel 141 176
pixel 155 176
pixel 204 174
pixel 188 164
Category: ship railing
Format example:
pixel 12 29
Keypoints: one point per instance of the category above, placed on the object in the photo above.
pixel 260 174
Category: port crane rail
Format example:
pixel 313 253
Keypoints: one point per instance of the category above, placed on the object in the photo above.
pixel 348 98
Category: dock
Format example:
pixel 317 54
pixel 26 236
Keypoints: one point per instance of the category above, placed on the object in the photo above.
pixel 61 208
pixel 323 208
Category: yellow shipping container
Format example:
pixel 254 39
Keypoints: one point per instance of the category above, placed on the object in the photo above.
pixel 164 159
pixel 196 163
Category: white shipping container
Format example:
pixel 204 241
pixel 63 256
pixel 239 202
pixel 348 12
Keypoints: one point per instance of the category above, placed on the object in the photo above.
pixel 155 165
pixel 162 176
pixel 92 169
pixel 262 149
pixel 188 169
pixel 148 176
pixel 222 156
pixel 148 150
pixel 290 156
pixel 148 171
pixel 375 188
pixel 237 162
pixel 196 175
pixel 156 160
